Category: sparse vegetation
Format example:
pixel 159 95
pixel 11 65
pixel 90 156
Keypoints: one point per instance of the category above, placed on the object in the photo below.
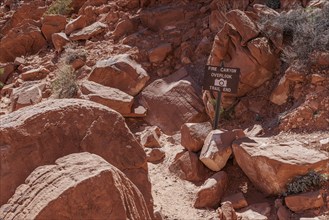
pixel 275 4
pixel 305 183
pixel 74 54
pixel 305 31
pixel 65 85
pixel 61 7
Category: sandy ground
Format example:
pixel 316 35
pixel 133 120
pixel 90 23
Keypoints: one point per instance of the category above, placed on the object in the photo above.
pixel 172 196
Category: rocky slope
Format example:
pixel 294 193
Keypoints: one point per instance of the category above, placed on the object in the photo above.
pixel 122 80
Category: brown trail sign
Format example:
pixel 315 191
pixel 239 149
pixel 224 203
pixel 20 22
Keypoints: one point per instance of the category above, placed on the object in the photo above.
pixel 221 79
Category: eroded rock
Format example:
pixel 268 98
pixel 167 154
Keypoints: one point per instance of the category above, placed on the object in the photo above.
pixel 80 185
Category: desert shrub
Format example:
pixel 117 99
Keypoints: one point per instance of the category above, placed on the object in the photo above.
pixel 305 31
pixel 73 54
pixel 65 84
pixel 61 7
pixel 305 183
pixel 275 4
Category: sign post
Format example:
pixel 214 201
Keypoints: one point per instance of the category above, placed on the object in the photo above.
pixel 221 79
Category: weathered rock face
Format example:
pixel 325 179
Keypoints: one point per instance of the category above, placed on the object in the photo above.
pixel 110 97
pixel 304 201
pixel 22 40
pixel 88 32
pixel 31 10
pixel 161 17
pixel 29 93
pixel 76 24
pixel 270 165
pixel 211 192
pixel 79 185
pixel 238 45
pixel 188 167
pixel 120 72
pixel 40 134
pixel 59 40
pixel 217 149
pixel 173 100
pixel 52 24
pixel 194 134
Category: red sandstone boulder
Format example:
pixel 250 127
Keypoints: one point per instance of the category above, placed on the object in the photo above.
pixel 194 134
pixel 110 97
pixel 88 32
pixel 173 99
pixel 59 40
pixel 243 24
pixel 257 61
pixel 159 54
pixel 271 165
pixel 40 134
pixel 237 200
pixel 211 192
pixel 188 167
pixel 126 26
pixel 29 93
pixel 217 149
pixel 156 19
pixel 22 40
pixel 150 137
pixel 76 24
pixel 79 185
pixel 304 201
pixel 120 72
pixel 35 74
pixel 32 10
pixel 52 24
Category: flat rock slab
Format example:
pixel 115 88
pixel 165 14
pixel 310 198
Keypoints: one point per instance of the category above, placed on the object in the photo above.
pixel 270 165
pixel 172 99
pixel 89 31
pixel 110 97
pixel 37 135
pixel 120 72
pixel 80 185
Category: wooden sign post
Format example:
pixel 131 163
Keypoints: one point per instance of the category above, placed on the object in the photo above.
pixel 221 79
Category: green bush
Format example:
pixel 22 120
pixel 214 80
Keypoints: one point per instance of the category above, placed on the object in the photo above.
pixel 61 7
pixel 65 85
pixel 305 183
pixel 305 31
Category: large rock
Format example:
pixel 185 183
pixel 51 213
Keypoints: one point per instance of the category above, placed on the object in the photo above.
pixel 217 149
pixel 29 93
pixel 173 99
pixel 81 185
pixel 161 17
pixel 120 72
pixel 52 24
pixel 257 60
pixel 88 32
pixel 211 192
pixel 194 134
pixel 40 134
pixel 23 40
pixel 159 54
pixel 76 24
pixel 271 165
pixel 30 10
pixel 243 24
pixel 304 201
pixel 110 97
pixel 188 167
